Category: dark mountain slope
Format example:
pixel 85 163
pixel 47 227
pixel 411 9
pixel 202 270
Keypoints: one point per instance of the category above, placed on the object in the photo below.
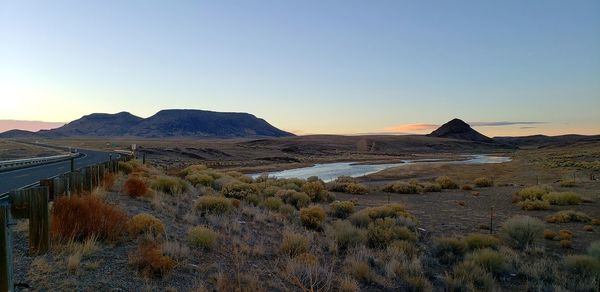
pixel 457 129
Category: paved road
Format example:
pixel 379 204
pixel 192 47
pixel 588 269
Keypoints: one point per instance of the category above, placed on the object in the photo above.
pixel 14 179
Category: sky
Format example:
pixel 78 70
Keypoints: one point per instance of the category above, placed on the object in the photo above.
pixel 310 67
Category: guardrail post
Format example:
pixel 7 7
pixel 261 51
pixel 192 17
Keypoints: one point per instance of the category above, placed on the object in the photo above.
pixel 39 221
pixel 50 184
pixel 6 259
pixel 72 164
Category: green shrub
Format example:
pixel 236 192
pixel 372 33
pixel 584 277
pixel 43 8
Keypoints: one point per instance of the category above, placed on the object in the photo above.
pixel 562 198
pixel 294 198
pixel 534 205
pixel 238 190
pixel 468 276
pixel 534 192
pixel 403 188
pixel 272 203
pixel 490 260
pixel 568 216
pixel 214 204
pixel 294 244
pixel 169 185
pixel 449 250
pixel 522 231
pixel 312 217
pixel 350 187
pixel 483 182
pixel 347 236
pixel 200 179
pixel 341 209
pixel 480 241
pixel 584 266
pixel 446 182
pixel 382 232
pixel 202 236
pixel 594 250
pixel 270 191
pixel 432 188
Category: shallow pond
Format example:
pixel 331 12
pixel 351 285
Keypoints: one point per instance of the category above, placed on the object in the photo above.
pixel 330 171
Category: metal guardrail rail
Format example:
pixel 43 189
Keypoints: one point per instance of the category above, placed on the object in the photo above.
pixel 23 163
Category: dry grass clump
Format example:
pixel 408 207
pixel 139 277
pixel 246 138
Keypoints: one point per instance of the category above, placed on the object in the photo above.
pixel 533 193
pixel 467 188
pixel 346 184
pixel 583 266
pixel 365 216
pixel 566 243
pixel 480 241
pixel 135 187
pixel 483 182
pixel 347 235
pixel 568 216
pixel 565 234
pixel 567 183
pixel 169 185
pixel 145 223
pixel 522 231
pixel 549 234
pixel 81 217
pixel 588 228
pixel 294 198
pixel 202 237
pixel 449 250
pixel 534 205
pixel 108 181
pixel 469 276
pixel 595 221
pixel 562 198
pixel 125 167
pixel 317 191
pixel 197 179
pixel 382 232
pixel 238 190
pixel 312 217
pixel 341 209
pixel 403 188
pixel 287 210
pixel 490 260
pixel 294 244
pixel 431 188
pixel 195 168
pixel 446 182
pixel 214 204
pixel 272 203
pixel 150 261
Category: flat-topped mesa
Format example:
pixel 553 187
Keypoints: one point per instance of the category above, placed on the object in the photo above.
pixel 458 129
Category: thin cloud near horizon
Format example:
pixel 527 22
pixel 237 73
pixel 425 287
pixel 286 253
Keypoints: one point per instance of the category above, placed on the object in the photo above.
pixel 419 127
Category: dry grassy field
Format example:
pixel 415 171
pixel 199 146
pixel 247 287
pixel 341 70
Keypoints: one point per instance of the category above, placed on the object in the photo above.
pixel 14 150
pixel 187 227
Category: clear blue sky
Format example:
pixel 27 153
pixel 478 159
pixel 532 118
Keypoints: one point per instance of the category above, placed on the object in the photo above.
pixel 308 66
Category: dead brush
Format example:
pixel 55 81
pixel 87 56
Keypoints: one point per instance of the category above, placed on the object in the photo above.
pixel 108 181
pixel 150 261
pixel 81 217
pixel 135 187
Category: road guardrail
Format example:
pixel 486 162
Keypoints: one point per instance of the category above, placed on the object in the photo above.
pixel 29 162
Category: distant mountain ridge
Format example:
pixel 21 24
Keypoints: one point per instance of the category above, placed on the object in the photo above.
pixel 165 123
pixel 458 129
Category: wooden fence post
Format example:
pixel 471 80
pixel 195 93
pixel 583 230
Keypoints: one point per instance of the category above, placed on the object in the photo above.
pixel 50 184
pixel 6 259
pixel 39 221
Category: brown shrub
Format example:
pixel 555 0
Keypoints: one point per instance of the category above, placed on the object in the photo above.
pixel 150 261
pixel 588 228
pixel 135 187
pixel 446 182
pixel 145 223
pixel 108 181
pixel 467 188
pixel 566 243
pixel 312 217
pixel 549 234
pixel 86 216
